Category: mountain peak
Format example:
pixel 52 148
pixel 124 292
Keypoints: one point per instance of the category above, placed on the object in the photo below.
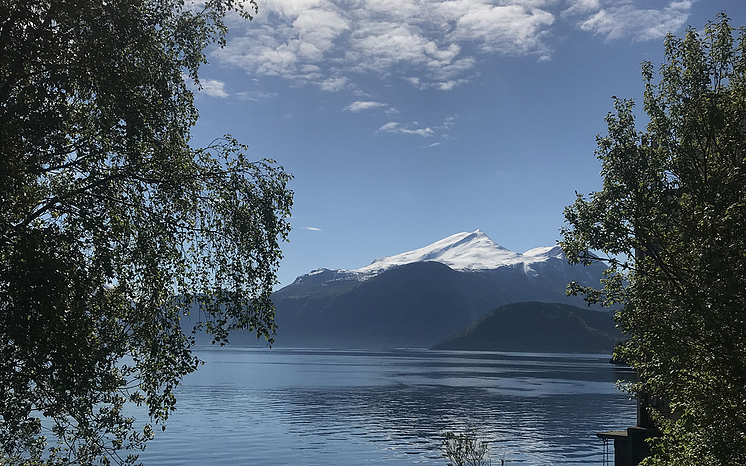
pixel 462 251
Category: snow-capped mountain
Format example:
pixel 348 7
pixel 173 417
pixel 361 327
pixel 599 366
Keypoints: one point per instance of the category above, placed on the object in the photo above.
pixel 420 297
pixel 464 252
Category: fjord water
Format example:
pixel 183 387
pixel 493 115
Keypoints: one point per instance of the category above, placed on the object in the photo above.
pixel 258 406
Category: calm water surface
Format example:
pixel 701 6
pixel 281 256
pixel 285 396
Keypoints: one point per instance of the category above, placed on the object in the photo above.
pixel 250 406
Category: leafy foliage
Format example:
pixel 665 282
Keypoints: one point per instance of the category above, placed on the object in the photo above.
pixel 465 449
pixel 111 225
pixel 671 220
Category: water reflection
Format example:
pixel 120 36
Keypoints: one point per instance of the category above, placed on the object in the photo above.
pixel 307 407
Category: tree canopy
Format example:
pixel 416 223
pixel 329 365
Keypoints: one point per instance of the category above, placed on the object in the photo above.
pixel 112 225
pixel 671 223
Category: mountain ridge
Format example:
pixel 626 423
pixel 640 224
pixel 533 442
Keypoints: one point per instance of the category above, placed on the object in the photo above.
pixel 464 251
pixel 419 298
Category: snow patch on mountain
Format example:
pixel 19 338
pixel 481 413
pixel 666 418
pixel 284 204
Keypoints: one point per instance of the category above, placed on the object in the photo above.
pixel 545 253
pixel 473 251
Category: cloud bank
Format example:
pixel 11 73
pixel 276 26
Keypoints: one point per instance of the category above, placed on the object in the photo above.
pixel 430 43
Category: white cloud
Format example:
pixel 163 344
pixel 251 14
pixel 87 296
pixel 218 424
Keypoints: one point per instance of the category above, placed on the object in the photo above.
pixel 458 67
pixel 502 29
pixel 363 105
pixel 447 123
pixel 394 127
pixel 389 127
pixel 424 132
pixel 334 83
pixel 448 85
pixel 213 88
pixel 380 46
pixel 581 6
pixel 621 20
pixel 311 228
pixel 255 95
pixel 391 111
pixel 289 8
pixel 415 81
pixel 415 129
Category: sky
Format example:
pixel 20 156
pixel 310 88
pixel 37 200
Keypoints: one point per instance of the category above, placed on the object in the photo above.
pixel 406 121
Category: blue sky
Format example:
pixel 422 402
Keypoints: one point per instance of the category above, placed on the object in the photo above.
pixel 406 121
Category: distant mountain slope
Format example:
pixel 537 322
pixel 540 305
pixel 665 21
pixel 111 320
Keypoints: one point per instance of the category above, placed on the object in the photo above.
pixel 419 298
pixel 538 327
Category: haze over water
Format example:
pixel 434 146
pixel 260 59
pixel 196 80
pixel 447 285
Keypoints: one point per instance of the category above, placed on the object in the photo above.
pixel 327 407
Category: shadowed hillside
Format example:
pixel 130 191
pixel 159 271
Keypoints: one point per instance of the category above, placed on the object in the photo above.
pixel 414 305
pixel 538 327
